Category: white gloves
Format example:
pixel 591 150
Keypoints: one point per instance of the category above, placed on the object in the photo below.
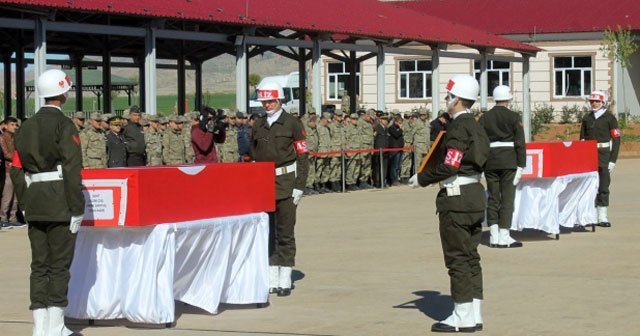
pixel 518 176
pixel 297 195
pixel 612 166
pixel 75 223
pixel 413 181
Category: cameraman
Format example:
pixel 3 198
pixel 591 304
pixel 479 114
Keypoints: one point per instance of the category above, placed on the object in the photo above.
pixel 202 137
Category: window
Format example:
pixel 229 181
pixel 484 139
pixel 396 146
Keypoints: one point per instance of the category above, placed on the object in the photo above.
pixel 572 76
pixel 414 79
pixel 497 74
pixel 338 77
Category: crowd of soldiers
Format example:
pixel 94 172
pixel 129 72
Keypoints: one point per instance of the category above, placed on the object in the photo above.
pixel 137 139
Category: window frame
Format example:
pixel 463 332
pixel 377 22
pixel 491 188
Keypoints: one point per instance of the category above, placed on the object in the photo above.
pixel 426 76
pixel 500 71
pixel 328 75
pixel 552 75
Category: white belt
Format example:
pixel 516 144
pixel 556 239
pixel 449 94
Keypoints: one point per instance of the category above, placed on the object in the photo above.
pixel 44 177
pixel 453 183
pixel 604 144
pixel 285 170
pixel 501 144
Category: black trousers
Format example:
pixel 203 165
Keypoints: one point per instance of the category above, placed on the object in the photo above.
pixel 52 246
pixel 282 242
pixel 602 198
pixel 375 167
pixel 502 193
pixel 134 160
pixel 460 235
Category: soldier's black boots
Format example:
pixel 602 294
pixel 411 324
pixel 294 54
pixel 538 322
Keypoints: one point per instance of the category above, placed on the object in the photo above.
pixel 284 291
pixel 604 224
pixel 445 328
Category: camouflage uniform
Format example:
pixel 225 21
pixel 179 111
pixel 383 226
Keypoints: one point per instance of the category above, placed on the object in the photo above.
pixel 365 129
pixel 229 149
pixel 337 144
pixel 153 144
pixel 190 155
pixel 324 145
pixel 345 104
pixel 421 139
pixel 94 146
pixel 312 146
pixel 173 145
pixel 353 139
pixel 407 156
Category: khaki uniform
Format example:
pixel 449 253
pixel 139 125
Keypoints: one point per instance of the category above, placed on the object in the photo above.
pixel 229 149
pixel 354 161
pixel 94 148
pixel 172 147
pixel 312 145
pixel 153 142
pixel 323 163
pixel 44 141
pixel 421 141
pixel 337 144
pixel 467 148
pixel 366 137
pixel 407 156
pixel 189 154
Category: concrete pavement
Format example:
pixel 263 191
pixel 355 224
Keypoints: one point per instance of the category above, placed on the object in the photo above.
pixel 370 263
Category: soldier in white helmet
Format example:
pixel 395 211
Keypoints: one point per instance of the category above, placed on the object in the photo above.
pixel 460 204
pixel 280 138
pixel 507 159
pixel 602 126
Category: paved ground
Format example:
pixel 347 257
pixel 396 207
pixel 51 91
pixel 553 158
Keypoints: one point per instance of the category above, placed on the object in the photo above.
pixel 369 263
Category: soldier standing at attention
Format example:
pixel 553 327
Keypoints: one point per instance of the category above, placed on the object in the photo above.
pixel 365 128
pixel 310 127
pixel 352 142
pixel 49 190
pixel 94 143
pixel 153 142
pixel 602 126
pixel 116 148
pixel 191 120
pixel 229 149
pixel 78 120
pixel 104 124
pixel 507 159
pixel 323 162
pixel 134 139
pixel 407 155
pixel 421 140
pixel 337 144
pixel 460 204
pixel 279 138
pixel 172 143
pixel 345 104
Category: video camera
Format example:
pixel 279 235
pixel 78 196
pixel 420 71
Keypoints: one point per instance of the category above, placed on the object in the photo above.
pixel 212 120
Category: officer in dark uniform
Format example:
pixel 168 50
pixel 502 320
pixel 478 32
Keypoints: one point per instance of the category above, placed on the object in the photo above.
pixel 507 159
pixel 116 146
pixel 46 173
pixel 134 138
pixel 460 204
pixel 602 126
pixel 280 138
pixel 380 141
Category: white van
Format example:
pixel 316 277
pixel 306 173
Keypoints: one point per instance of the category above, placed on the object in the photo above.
pixel 291 89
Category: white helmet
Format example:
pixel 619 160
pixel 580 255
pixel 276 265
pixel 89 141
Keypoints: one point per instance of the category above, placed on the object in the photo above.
pixel 598 96
pixel 464 86
pixel 53 83
pixel 502 93
pixel 270 91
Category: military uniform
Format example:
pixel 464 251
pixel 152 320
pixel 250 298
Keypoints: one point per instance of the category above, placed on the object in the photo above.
pixel 602 126
pixel 284 144
pixel 345 103
pixel 189 154
pixel 461 203
pixel 323 162
pixel 173 152
pixel 116 150
pixel 421 141
pixel 229 149
pixel 49 142
pixel 335 165
pixel 94 147
pixel 365 129
pixel 354 161
pixel 312 146
pixel 506 135
pixel 153 147
pixel 134 139
pixel 407 155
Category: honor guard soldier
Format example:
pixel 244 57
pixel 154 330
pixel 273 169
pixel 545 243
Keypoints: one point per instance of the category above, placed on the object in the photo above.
pixel 173 143
pixel 279 137
pixel 507 159
pixel 46 173
pixel 602 126
pixel 460 204
pixel 134 139
pixel 94 144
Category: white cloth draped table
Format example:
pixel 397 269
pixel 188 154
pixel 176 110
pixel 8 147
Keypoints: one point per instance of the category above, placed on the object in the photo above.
pixel 136 273
pixel 548 203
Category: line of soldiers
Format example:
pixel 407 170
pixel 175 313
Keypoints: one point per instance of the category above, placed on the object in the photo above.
pixel 332 133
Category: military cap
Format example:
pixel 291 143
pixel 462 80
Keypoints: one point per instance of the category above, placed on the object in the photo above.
pixel 107 116
pixel 338 112
pixel 194 114
pixel 114 121
pixel 183 119
pixel 395 111
pixel 144 122
pixel 134 109
pixel 125 114
pixel 326 115
pixel 240 114
pixel 293 110
pixel 175 118
pixel 422 111
pixel 383 116
pixel 95 116
pixel 311 109
pixel 371 112
pixel 79 115
pixel 353 116
pixel 361 112
pixel 153 117
pixel 164 120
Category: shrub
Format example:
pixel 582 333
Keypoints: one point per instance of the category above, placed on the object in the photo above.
pixel 544 112
pixel 568 113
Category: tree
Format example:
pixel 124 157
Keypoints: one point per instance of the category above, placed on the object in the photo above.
pixel 618 45
pixel 254 79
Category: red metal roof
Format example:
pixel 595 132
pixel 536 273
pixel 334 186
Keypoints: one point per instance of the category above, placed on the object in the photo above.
pixel 368 18
pixel 504 17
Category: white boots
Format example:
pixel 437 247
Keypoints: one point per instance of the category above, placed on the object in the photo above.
pixel 280 280
pixel 501 238
pixel 56 327
pixel 603 219
pixel 461 320
pixel 40 322
pixel 477 314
